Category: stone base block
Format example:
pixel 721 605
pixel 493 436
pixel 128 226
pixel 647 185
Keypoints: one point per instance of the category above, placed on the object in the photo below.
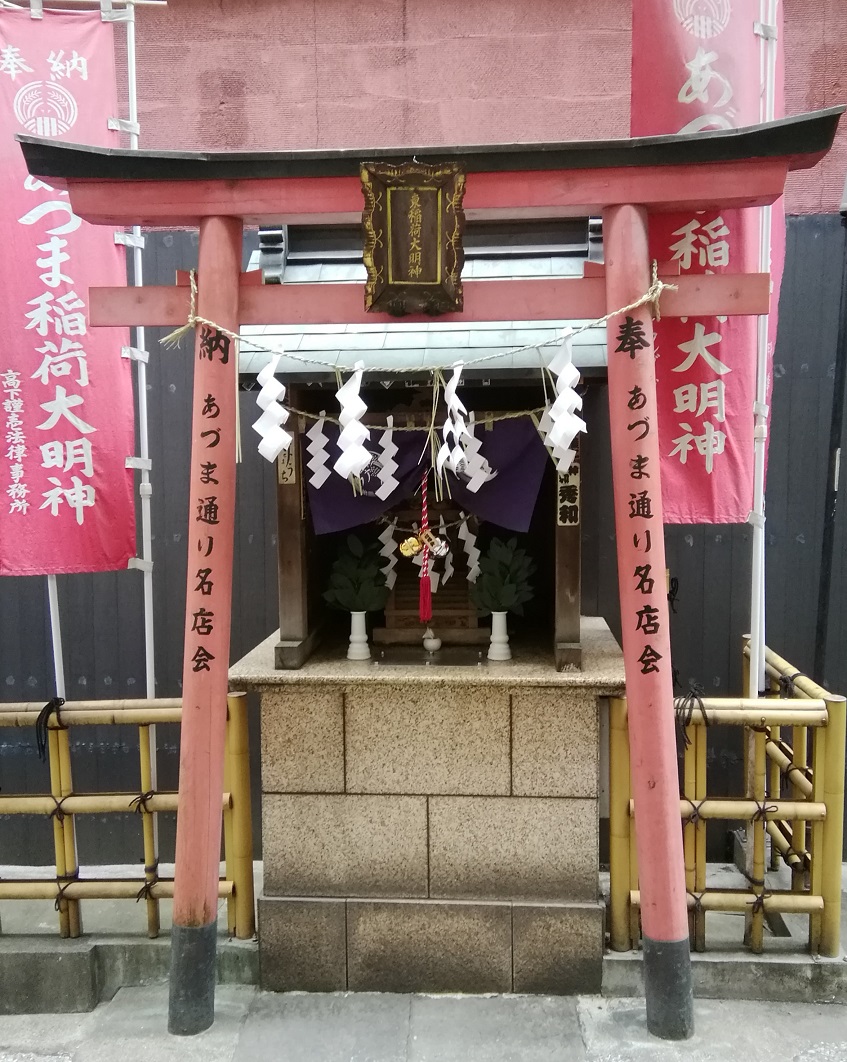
pixel 558 949
pixel 302 945
pixel 429 946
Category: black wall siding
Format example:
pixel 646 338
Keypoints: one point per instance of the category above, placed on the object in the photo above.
pixel 102 614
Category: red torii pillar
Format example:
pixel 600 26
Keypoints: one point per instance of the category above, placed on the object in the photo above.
pixel 645 626
pixel 211 522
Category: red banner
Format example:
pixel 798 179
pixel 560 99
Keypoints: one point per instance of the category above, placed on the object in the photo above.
pixel 67 496
pixel 699 65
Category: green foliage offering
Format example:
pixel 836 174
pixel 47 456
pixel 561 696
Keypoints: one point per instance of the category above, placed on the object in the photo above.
pixel 503 582
pixel 357 583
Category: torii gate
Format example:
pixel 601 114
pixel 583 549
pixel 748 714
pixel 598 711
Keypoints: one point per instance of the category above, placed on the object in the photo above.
pixel 623 180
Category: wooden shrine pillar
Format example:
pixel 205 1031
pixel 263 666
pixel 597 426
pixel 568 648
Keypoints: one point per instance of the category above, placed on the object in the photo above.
pixel 567 648
pixel 296 640
pixel 645 625
pixel 211 522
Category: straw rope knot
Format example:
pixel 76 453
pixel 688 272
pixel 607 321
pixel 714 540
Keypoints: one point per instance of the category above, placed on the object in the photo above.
pixel 58 811
pixel 68 880
pixel 786 684
pixel 763 809
pixel 42 725
pixel 146 890
pixel 757 904
pixel 695 816
pixel 139 803
pixel 685 706
pixel 173 339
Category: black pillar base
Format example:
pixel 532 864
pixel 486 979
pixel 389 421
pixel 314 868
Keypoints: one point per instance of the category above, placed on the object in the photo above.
pixel 667 988
pixel 191 1007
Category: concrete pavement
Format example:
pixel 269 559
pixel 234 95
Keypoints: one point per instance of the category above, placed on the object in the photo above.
pixel 252 1026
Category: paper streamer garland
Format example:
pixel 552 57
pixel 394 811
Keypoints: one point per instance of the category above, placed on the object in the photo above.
pixel 559 423
pixel 275 438
pixel 468 540
pixel 388 482
pixel 389 551
pixel 477 469
pixel 453 427
pixel 448 560
pixel 316 448
pixel 355 457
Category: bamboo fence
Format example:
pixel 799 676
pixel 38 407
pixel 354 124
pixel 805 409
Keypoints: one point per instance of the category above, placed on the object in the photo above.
pixel 62 804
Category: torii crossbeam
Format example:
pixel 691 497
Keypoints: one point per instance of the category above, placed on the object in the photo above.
pixel 625 181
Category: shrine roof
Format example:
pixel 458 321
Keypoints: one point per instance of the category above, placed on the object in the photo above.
pixel 802 139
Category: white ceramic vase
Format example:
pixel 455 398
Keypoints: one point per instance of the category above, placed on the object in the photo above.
pixel 359 648
pixel 499 647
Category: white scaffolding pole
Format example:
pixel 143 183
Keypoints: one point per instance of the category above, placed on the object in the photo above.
pixel 56 635
pixel 767 31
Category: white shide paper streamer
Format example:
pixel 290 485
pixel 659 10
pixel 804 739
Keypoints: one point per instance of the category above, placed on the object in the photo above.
pixel 468 540
pixel 275 438
pixel 477 469
pixel 316 448
pixel 355 457
pixel 559 423
pixel 389 551
pixel 388 483
pixel 452 455
pixel 448 560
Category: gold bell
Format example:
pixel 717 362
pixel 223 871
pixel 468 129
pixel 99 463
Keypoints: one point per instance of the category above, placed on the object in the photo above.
pixel 410 547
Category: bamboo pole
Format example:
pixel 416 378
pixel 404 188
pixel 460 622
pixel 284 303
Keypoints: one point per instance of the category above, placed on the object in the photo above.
pixel 819 742
pixel 740 900
pixel 229 844
pixel 833 827
pixel 69 830
pixel 738 713
pixel 814 811
pixel 689 827
pixel 94 889
pixel 757 825
pixel 774 787
pixel 238 755
pixel 634 912
pixel 799 756
pixel 619 827
pixel 784 765
pixel 95 803
pixel 125 717
pixel 119 705
pixel 151 854
pixel 700 788
pixel 58 828
pixel 781 844
pixel 807 687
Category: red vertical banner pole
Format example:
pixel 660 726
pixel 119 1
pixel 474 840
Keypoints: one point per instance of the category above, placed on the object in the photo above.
pixel 211 521
pixel 645 623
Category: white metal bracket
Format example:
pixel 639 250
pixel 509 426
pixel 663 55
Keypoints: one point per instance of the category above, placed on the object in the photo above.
pixel 139 563
pixel 762 29
pixel 756 519
pixel 143 463
pixel 129 239
pixel 135 354
pixel 760 409
pixel 123 125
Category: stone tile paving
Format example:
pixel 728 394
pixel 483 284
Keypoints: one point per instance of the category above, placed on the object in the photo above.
pixel 257 1027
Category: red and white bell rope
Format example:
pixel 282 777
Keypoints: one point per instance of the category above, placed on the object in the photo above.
pixel 425 597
